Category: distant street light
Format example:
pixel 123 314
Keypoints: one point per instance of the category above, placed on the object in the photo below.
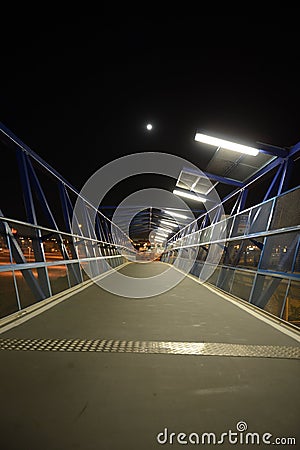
pixel 228 145
pixel 149 126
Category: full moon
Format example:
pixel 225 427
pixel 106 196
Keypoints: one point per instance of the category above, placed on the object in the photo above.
pixel 149 126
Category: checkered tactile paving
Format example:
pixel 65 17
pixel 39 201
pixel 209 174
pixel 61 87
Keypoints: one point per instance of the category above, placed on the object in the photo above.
pixel 150 347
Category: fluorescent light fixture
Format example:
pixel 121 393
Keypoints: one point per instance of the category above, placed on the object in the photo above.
pixel 170 224
pixel 161 230
pixel 162 233
pixel 189 195
pixel 226 144
pixel 180 216
pixel 160 239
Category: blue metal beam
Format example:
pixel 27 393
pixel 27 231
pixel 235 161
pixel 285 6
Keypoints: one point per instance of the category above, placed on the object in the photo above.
pixel 271 189
pixel 286 176
pixel 67 212
pixel 40 193
pixel 224 180
pixel 48 213
pixel 66 207
pixel 37 242
pixel 243 199
pixel 19 258
pixel 12 138
pixel 273 150
pixel 214 177
pixel 295 149
pixel 256 177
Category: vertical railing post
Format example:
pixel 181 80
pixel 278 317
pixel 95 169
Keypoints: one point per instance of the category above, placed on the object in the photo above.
pixel 37 241
pixel 66 206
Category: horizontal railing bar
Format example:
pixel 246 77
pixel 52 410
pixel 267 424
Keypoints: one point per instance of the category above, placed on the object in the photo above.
pixel 38 265
pixel 234 215
pixel 234 238
pixel 54 231
pixel 287 276
pixel 12 137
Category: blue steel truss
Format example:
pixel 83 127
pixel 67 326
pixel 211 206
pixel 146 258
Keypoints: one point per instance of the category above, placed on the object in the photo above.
pixel 31 272
pixel 260 260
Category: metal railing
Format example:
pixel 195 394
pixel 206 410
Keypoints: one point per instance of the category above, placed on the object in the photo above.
pixel 66 260
pixel 258 247
pixel 259 251
pixel 53 248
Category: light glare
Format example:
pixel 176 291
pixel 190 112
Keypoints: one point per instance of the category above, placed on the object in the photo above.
pixel 172 225
pixel 228 145
pixel 180 216
pixel 189 195
pixel 162 233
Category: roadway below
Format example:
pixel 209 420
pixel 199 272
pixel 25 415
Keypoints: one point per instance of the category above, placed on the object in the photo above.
pixel 119 400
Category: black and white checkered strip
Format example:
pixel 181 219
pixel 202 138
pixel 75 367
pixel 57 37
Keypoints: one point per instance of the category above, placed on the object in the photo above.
pixel 150 347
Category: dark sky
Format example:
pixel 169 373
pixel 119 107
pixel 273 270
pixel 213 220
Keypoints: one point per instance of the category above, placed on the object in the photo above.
pixel 80 92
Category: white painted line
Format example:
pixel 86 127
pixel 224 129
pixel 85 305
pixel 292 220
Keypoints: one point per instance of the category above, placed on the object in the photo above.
pixel 273 321
pixel 38 308
pixel 259 315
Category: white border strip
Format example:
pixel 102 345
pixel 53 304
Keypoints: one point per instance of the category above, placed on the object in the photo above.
pixel 273 321
pixel 259 315
pixel 34 310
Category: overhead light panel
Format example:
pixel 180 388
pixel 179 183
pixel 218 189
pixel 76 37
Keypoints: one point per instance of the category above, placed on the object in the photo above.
pixel 162 233
pixel 228 145
pixel 189 195
pixel 170 224
pixel 180 216
pixel 161 230
pixel 160 239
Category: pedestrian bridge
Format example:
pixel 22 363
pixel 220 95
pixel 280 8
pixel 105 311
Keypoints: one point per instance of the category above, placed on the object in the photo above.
pixel 103 346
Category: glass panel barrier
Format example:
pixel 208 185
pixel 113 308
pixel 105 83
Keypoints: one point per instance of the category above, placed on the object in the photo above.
pixel 287 210
pixel 292 306
pixel 250 253
pixel 296 268
pixel 26 295
pixel 4 249
pixel 279 251
pixel 225 279
pixel 269 293
pixel 58 276
pixel 242 284
pixel 8 298
pixel 232 253
pixel 213 279
pixel 240 224
pixel 276 253
pixel 259 217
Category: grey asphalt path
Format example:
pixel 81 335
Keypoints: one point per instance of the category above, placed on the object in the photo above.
pixel 120 401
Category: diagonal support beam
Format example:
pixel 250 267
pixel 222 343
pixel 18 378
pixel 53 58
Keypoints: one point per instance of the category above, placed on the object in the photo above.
pixel 37 241
pixel 19 258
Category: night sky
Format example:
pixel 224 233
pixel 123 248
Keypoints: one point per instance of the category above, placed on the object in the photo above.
pixel 80 92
